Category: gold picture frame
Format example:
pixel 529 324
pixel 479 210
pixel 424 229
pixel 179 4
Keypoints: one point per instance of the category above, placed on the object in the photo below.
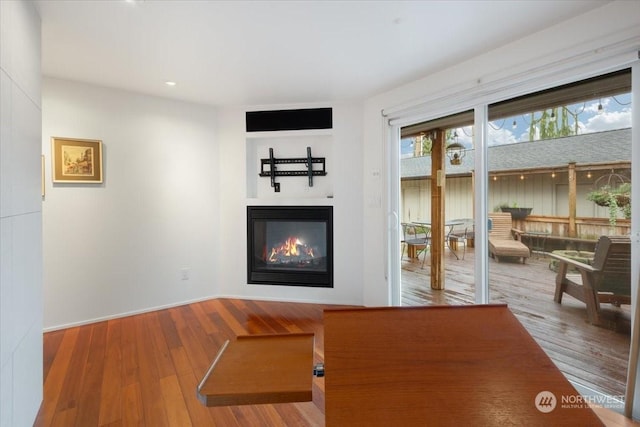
pixel 76 160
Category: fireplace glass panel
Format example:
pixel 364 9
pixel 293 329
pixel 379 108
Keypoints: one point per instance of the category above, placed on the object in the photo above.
pixel 293 245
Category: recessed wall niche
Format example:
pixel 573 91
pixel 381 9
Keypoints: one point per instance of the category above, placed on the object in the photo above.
pixel 289 145
pixel 289 134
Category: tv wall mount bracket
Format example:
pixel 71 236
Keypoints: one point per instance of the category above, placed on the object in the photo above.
pixel 272 170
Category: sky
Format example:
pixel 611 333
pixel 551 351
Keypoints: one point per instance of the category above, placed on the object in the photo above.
pixel 615 114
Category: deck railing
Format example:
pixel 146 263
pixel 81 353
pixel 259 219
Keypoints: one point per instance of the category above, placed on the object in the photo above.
pixel 587 228
pixel 548 233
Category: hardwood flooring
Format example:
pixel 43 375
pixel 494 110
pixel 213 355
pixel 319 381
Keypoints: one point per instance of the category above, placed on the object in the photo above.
pixel 143 370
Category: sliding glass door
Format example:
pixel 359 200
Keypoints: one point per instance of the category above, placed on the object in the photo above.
pixel 436 217
pixel 551 154
pixel 543 159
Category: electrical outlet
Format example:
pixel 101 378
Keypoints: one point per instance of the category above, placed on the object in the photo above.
pixel 184 274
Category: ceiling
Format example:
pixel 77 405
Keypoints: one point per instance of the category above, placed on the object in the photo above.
pixel 278 52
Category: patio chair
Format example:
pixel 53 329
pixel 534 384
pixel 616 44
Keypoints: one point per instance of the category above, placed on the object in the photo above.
pixel 417 239
pixel 459 233
pixel 504 240
pixel 606 280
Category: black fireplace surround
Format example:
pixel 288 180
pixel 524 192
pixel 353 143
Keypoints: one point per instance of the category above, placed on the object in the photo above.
pixel 290 245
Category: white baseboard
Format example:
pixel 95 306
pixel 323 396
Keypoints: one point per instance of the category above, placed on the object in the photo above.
pixel 178 304
pixel 125 314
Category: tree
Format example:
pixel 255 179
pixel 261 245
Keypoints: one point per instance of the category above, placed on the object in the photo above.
pixel 553 123
pixel 422 145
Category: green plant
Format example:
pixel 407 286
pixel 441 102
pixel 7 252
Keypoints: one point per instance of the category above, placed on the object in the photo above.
pixel 507 205
pixel 615 199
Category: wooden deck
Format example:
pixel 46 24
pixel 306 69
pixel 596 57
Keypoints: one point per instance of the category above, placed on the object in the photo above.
pixel 593 356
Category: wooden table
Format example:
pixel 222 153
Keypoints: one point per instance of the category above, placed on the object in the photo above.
pixel 454 365
pixel 258 369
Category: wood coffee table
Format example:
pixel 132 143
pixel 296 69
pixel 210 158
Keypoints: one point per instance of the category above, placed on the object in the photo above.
pixel 438 365
pixel 454 365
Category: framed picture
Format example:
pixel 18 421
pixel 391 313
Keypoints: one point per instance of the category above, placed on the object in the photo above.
pixel 76 160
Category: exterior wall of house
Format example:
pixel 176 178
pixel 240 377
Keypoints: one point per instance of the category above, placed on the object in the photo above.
pixel 416 199
pixel 20 215
pixel 546 194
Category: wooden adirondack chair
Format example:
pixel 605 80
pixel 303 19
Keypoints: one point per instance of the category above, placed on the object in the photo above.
pixel 606 280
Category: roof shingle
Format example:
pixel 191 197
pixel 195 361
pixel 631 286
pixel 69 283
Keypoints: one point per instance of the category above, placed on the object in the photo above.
pixel 601 147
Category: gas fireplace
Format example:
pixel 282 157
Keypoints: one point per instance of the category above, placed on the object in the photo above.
pixel 290 245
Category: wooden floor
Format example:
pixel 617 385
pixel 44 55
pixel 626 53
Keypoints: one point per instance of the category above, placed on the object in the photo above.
pixel 143 370
pixel 593 356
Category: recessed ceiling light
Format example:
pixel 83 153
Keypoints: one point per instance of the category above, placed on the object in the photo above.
pixel 170 83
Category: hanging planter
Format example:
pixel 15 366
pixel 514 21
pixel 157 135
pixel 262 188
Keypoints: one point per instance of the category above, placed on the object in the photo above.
pixel 623 199
pixel 614 199
pixel 601 196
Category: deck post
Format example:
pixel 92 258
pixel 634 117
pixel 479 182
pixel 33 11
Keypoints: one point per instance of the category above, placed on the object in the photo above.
pixel 572 199
pixel 437 209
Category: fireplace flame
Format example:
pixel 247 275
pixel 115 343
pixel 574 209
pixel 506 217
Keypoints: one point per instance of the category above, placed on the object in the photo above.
pixel 292 247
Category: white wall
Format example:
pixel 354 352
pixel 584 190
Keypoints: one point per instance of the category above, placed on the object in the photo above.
pixel 119 247
pixel 585 39
pixel 342 148
pixel 20 215
pixel 174 196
